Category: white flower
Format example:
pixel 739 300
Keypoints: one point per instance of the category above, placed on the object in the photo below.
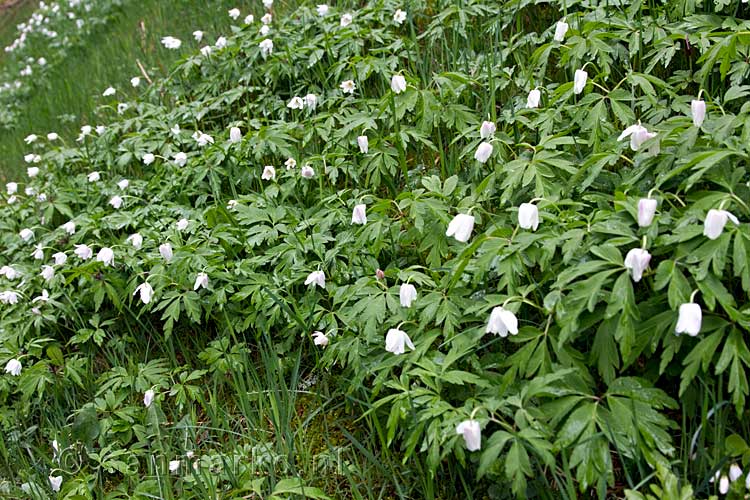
pixel 116 201
pixel 94 177
pixel 560 29
pixel 106 255
pixel 715 222
pixel 180 159
pixel 689 319
pixel 28 158
pixel 13 367
pixel 12 199
pixel 487 129
pixel 734 472
pixel 165 249
pixel 48 272
pixel 396 341
pixel 232 204
pixel 55 482
pixel 359 214
pixel 502 322
pixel 290 163
pixel 266 47
pixel 747 481
pixel 532 101
pixel 364 144
pixel 398 84
pixel 322 9
pixel 32 171
pixel 148 396
pixel 407 294
pixel 206 50
pixel 30 138
pixel 121 108
pixel 38 253
pixel 135 81
pixel 269 173
pixel 316 278
pixel 348 86
pixel 148 158
pixel 52 136
pixel 307 172
pixel 234 13
pixel 267 18
pixel 69 227
pixel 235 135
pixel 146 293
pixel 311 101
pixel 579 81
pixel 201 281
pixel 320 338
pixel 175 129
pixel 11 187
pixel 249 19
pixel 483 153
pixel 296 103
pixel 86 130
pixel 182 224
pixel 264 30
pixel 83 252
pixel 698 111
pixel 101 128
pixel 108 92
pixel 724 485
pixel 460 227
pixel 472 434
pixel 198 35
pixel 636 261
pixel 123 184
pixel 267 4
pixel 221 42
pixel 646 211
pixel 171 42
pixel 60 258
pixel 202 139
pixel 26 234
pixel 41 197
pixel 528 216
pixel 136 240
pixel 30 191
pixel 638 135
pixel 174 465
pixel 9 272
pixel 9 297
pixel 399 17
pixel 346 20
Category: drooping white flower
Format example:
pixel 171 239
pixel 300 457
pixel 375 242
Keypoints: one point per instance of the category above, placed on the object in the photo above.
pixel 316 278
pixel 94 177
pixel 487 129
pixel 397 340
pixel 724 485
pixel 175 129
pixel 267 18
pixel 106 255
pixel 30 138
pixel 638 135
pixel 735 472
pixel 148 158
pixel 201 281
pixel 32 171
pixel 579 81
pixel 460 227
pixel 180 159
pixel 359 214
pixel 146 292
pixel 11 187
pixel 364 144
pixel 9 297
pixel 646 211
pixel 174 465
pixel 52 136
pixel 249 19
pixel 206 50
pixel 13 367
pixel 83 252
pixel 311 101
pixel 560 29
pixel 100 129
pixel 135 81
pixel 234 13
pixel 269 173
pixel 399 17
pixel 532 101
pixel 290 163
pixel 121 108
pixel 26 234
pixel 528 216
pixel 123 184
pixel 12 199
pixel 264 30
pixel 348 86
pixel 296 103
pixel 30 191
pixel 266 47
pixel 715 221
pixel 322 9
pixel 48 272
pixel 320 338
pixel 346 20
pixel 148 398
pixel 60 258
pixel 636 261
pixel 502 322
pixel 235 135
pixel 689 319
pixel 231 204
pixel 69 227
pixel 747 481
pixel 202 139
pixel 38 253
pixel 698 111
pixel 407 294
pixel 398 84
pixel 307 172
pixel 116 201
pixel 171 42
pixel 55 482
pixel 9 272
pixel 198 35
pixel 165 250
pixel 136 240
pixel 108 92
pixel 472 433
pixel 483 152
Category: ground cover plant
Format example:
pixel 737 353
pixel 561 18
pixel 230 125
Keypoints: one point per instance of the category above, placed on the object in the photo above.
pixel 394 250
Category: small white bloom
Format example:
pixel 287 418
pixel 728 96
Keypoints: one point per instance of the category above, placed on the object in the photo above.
pixel 9 272
pixel 320 338
pixel 106 255
pixel 316 278
pixel 579 81
pixel 9 297
pixel 12 199
pixel 101 128
pixel 13 367
pixel 483 153
pixel 364 144
pixel 30 138
pixel 646 211
pixel 32 171
pixel 715 221
pixel 174 465
pixel 69 227
pixel 290 163
pixel 221 42
pixel 83 252
pixel 48 272
pixel 182 224
pixel 146 292
pixel 532 101
pixel 202 139
pixel 359 214
pixel 171 42
pixel 307 172
pixel 38 253
pixel 201 281
pixel 460 227
pixel 734 472
pixel 249 19
pixel 698 111
pixel 267 18
pixel 175 129
pixel 235 135
pixel 638 135
pixel 11 187
pixel 268 4
pixel 86 130
pixel 322 9
pixel 109 91
pixel 26 234
pixel 148 158
pixel 234 13
pixel 502 322
pixel 397 340
pixel 407 294
pixel 116 201
pixel 55 482
pixel 165 249
pixel 472 433
pixel 636 261
pixel 121 108
pixel 206 50
pixel 689 319
pixel 724 485
pixel 399 17
pixel 311 101
pixel 487 129
pixel 180 159
pixel 398 84
pixel 296 103
pixel 123 184
pixel 346 20
pixel 60 258
pixel 560 29
pixel 231 204
pixel 148 397
pixel 528 216
pixel 266 47
pixel 52 136
pixel 198 35
pixel 135 81
pixel 264 30
pixel 269 173
pixel 136 240
pixel 94 177
pixel 348 86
